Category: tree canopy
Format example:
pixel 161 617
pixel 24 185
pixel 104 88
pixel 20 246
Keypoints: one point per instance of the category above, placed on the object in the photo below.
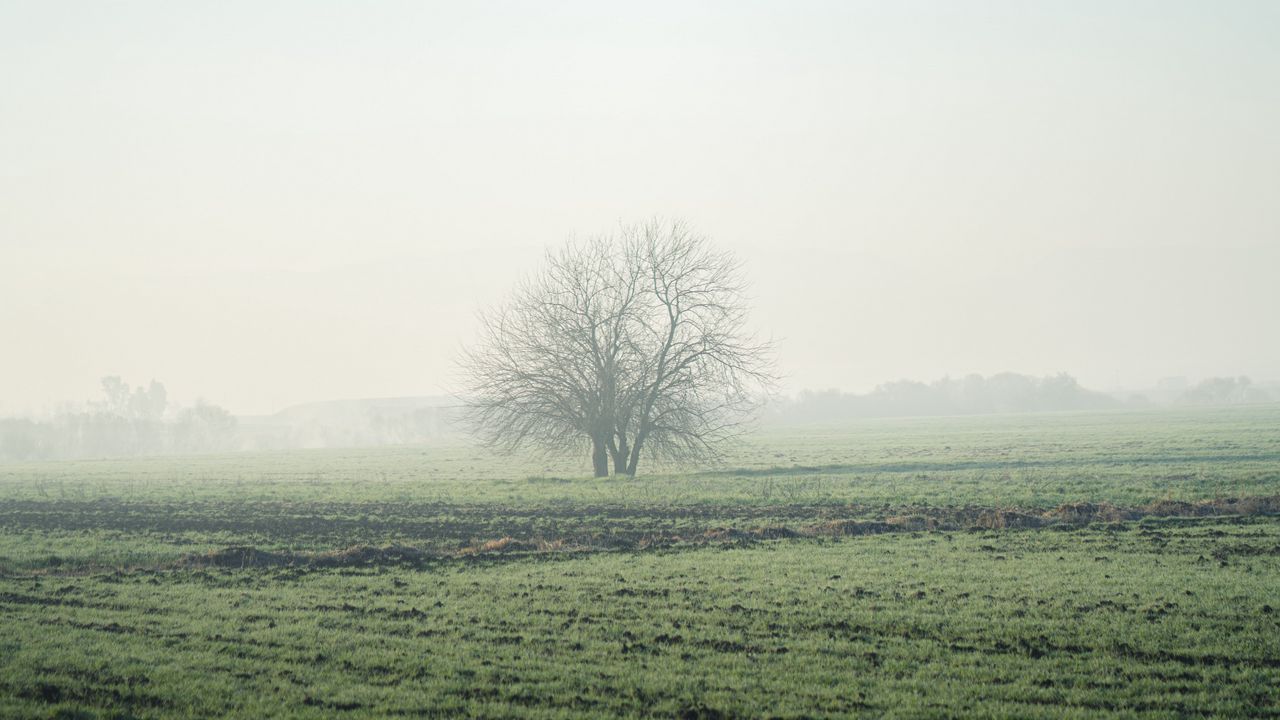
pixel 632 345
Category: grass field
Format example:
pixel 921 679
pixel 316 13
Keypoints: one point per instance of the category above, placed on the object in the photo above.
pixel 1057 565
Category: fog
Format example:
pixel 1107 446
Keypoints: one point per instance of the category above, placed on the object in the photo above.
pixel 269 204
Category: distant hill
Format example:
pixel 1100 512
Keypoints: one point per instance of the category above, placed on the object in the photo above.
pixel 353 423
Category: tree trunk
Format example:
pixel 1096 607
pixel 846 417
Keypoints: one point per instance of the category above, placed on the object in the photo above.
pixel 619 453
pixel 634 460
pixel 599 458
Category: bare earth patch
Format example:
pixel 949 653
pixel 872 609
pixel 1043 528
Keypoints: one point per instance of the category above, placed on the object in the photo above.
pixel 915 519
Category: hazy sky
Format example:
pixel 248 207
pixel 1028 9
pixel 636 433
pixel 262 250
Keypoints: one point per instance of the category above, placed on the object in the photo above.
pixel 268 203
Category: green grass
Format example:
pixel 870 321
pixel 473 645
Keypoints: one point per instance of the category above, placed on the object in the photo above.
pixel 104 613
pixel 1025 459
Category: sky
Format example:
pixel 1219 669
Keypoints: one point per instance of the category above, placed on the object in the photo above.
pixel 267 203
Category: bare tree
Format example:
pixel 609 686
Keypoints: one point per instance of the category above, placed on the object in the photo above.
pixel 632 345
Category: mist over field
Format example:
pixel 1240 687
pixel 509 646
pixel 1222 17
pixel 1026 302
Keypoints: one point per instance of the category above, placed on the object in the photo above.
pixel 140 421
pixel 699 360
pixel 285 204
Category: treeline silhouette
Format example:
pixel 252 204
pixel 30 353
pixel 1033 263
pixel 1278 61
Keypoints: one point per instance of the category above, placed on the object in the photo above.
pixel 1000 393
pixel 1224 391
pixel 971 395
pixel 366 422
pixel 141 421
pixel 126 422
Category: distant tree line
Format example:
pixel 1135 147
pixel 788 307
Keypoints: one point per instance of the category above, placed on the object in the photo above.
pixel 134 421
pixel 971 395
pixel 1001 393
pixel 126 422
pixel 1224 391
pixel 351 423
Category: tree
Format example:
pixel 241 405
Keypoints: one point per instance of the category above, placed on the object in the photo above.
pixel 631 345
pixel 1224 391
pixel 204 427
